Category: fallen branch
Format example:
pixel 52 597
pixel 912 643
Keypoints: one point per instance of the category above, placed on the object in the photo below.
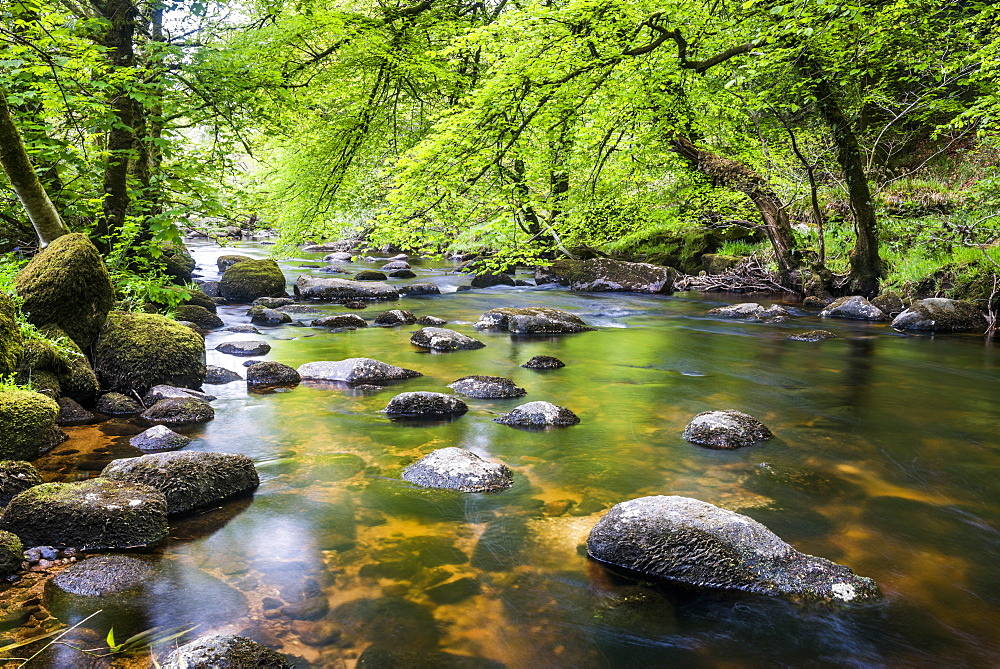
pixel 749 276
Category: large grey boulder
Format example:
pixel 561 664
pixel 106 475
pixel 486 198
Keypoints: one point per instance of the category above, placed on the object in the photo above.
pixel 355 370
pixel 340 256
pixel 939 314
pixel 605 274
pixel 270 373
pixel 341 321
pixel 855 307
pixel 750 311
pixel 458 469
pixel 416 289
pixel 395 264
pixel 531 320
pixel 262 315
pixel 217 376
pixel 323 288
pixel 225 652
pixel 687 540
pixel 424 404
pixel 159 438
pixel 725 429
pixel 98 514
pixel 487 387
pixel 490 279
pixel 538 414
pixel 443 339
pixel 249 279
pixel 244 349
pixel 224 262
pixel 179 411
pixel 165 392
pixel 188 479
pixel 394 317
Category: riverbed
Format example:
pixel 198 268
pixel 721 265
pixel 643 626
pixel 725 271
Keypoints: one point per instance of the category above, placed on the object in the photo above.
pixel 886 458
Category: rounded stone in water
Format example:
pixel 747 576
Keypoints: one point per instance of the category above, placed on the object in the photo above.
pixel 687 540
pixel 544 362
pixel 538 414
pixel 419 404
pixel 244 348
pixel 725 429
pixel 271 373
pixel 443 339
pixel 459 469
pixel 487 387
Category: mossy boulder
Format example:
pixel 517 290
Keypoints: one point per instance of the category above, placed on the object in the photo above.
pixel 201 299
pixel 179 411
pixel 199 315
pixel 939 314
pixel 16 476
pixel 188 479
pixel 11 342
pixel 78 380
pixel 116 404
pixel 27 424
pixel 607 275
pixel 719 263
pixel 227 261
pixel 138 351
pixel 67 285
pixel 98 514
pixel 225 652
pixel 11 554
pixel 177 262
pixel 247 280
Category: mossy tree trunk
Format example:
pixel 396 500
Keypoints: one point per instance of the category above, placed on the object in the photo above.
pixel 44 218
pixel 735 175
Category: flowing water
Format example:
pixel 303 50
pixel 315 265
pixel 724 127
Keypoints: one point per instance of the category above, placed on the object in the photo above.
pixel 885 458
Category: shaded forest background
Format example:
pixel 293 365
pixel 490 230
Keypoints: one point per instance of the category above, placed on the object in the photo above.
pixel 850 147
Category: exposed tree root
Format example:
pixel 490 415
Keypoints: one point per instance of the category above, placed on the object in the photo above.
pixel 749 276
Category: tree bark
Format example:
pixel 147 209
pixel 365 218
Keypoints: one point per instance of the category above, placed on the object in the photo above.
pixel 121 136
pixel 44 218
pixel 867 267
pixel 735 175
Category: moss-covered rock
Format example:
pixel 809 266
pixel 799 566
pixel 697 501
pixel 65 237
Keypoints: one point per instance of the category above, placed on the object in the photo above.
pixel 27 424
pixel 246 281
pixel 718 263
pixel 138 351
pixel 11 554
pixel 605 274
pixel 201 299
pixel 179 411
pixel 16 476
pixel 971 281
pixel 64 373
pixel 67 285
pixel 177 262
pixel 11 342
pixel 227 261
pixel 939 314
pixel 199 315
pixel 116 404
pixel 98 514
pixel 225 652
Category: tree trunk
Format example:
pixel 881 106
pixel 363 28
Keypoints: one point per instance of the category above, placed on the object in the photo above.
pixel 16 164
pixel 121 136
pixel 866 265
pixel 735 175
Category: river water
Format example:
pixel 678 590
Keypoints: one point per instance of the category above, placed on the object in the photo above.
pixel 886 458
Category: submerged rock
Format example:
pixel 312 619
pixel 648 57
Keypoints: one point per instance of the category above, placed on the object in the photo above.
pixel 16 476
pixel 159 438
pixel 605 274
pixel 855 307
pixel 423 404
pixel 394 317
pixel 116 404
pixel 323 288
pixel 487 387
pixel 538 414
pixel 225 652
pixel 67 285
pixel 725 429
pixel 415 289
pixel 687 540
pixel 938 314
pixel 217 376
pixel 135 352
pixel 812 335
pixel 250 279
pixel 179 411
pixel 98 514
pixel 188 479
pixel 342 321
pixel 270 373
pixel 443 339
pixel 355 370
pixel 544 362
pixel 458 469
pixel 27 424
pixel 531 320
pixel 244 349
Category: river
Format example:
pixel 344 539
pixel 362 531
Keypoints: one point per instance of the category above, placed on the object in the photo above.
pixel 886 458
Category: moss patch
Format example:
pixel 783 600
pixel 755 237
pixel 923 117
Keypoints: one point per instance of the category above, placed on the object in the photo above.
pixel 177 263
pixel 247 280
pixel 138 351
pixel 11 553
pixel 200 299
pixel 27 424
pixel 11 342
pixel 67 285
pixel 198 315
